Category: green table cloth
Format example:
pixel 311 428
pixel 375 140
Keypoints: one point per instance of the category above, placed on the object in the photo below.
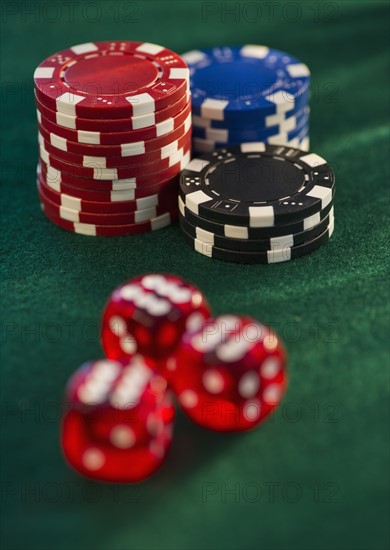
pixel 313 477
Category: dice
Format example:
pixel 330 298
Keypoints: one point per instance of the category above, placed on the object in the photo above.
pixel 149 314
pixel 230 373
pixel 119 420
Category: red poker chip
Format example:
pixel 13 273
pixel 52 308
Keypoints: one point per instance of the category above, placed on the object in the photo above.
pixel 128 124
pixel 58 182
pixel 96 161
pixel 116 173
pixel 119 200
pixel 165 197
pixel 122 150
pixel 119 218
pixel 97 137
pixel 111 230
pixel 143 185
pixel 114 79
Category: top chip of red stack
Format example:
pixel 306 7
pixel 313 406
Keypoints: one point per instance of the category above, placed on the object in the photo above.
pixel 114 79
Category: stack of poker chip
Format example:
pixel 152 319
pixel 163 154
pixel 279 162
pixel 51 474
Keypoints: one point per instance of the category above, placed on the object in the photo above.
pixel 257 203
pixel 248 94
pixel 114 122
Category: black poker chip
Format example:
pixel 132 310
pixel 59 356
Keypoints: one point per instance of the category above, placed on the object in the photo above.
pixel 269 257
pixel 257 185
pixel 288 240
pixel 244 232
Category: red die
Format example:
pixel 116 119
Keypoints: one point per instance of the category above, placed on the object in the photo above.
pixel 149 315
pixel 230 373
pixel 120 420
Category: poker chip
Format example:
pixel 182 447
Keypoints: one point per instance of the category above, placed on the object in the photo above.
pixel 93 171
pixel 201 146
pixel 159 131
pixel 229 83
pixel 113 79
pixel 113 125
pixel 287 139
pixel 278 255
pixel 141 185
pixel 118 200
pixel 256 245
pixel 256 184
pixel 112 204
pixel 247 93
pixel 257 121
pixel 121 150
pixel 94 230
pixel 298 138
pixel 257 203
pixel 243 232
pixel 141 158
pixel 291 127
pixel 81 216
pixel 114 132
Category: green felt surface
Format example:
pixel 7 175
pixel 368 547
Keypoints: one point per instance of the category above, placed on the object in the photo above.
pixel 326 450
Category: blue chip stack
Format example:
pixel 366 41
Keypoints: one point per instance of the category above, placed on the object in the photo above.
pixel 246 94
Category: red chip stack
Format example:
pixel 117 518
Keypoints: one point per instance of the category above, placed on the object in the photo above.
pixel 114 121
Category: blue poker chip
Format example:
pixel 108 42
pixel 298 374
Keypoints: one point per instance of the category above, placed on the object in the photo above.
pixel 257 121
pixel 232 82
pixel 299 138
pixel 291 127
